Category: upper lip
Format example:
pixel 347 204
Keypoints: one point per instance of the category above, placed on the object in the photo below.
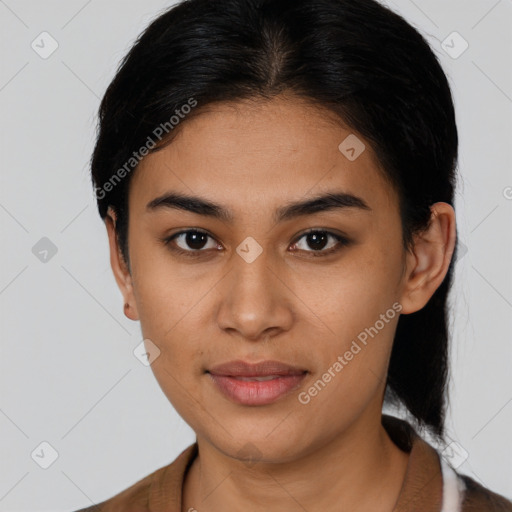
pixel 262 369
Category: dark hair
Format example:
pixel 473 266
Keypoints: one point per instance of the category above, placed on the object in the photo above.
pixel 361 61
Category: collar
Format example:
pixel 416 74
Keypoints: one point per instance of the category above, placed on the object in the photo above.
pixel 422 489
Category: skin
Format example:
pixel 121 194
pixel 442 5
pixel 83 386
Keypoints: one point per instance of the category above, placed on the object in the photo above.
pixel 329 454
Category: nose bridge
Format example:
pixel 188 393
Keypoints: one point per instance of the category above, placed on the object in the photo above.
pixel 252 271
pixel 251 300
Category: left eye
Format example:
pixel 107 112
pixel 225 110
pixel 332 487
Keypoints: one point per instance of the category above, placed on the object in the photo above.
pixel 196 240
pixel 318 240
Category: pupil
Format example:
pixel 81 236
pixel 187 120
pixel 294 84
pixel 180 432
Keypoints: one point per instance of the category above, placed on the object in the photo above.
pixel 194 237
pixel 318 238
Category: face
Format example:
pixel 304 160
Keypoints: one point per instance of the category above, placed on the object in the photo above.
pixel 255 285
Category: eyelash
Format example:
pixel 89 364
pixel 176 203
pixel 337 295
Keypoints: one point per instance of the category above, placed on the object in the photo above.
pixel 342 242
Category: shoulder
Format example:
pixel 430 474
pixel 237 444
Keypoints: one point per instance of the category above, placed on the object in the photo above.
pixel 162 486
pixel 477 498
pixel 443 489
pixel 133 499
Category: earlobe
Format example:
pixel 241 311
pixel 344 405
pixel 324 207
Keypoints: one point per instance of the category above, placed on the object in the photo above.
pixel 428 263
pixel 120 268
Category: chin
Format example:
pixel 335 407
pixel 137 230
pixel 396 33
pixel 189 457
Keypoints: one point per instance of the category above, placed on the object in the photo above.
pixel 265 446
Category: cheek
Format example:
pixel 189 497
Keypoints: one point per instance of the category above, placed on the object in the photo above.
pixel 369 332
pixel 350 295
pixel 353 368
pixel 181 387
pixel 358 313
pixel 167 296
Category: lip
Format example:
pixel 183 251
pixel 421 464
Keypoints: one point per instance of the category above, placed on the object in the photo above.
pixel 233 379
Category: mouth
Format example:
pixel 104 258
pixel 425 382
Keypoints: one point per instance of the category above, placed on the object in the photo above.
pixel 256 384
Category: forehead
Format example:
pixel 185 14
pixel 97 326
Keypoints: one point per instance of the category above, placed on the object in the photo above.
pixel 251 155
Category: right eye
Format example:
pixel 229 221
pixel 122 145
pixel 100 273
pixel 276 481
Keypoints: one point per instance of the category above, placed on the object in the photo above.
pixel 192 242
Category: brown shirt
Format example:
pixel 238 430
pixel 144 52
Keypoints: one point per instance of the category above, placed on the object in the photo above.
pixel 430 485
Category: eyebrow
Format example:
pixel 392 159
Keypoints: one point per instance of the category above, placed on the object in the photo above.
pixel 335 200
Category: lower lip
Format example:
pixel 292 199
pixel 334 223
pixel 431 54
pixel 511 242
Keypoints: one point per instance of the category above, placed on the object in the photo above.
pixel 256 392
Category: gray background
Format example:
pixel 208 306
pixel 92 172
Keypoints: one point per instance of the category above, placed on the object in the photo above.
pixel 68 374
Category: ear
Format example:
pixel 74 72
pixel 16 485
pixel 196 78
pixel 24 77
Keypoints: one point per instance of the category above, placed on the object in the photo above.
pixel 427 264
pixel 120 268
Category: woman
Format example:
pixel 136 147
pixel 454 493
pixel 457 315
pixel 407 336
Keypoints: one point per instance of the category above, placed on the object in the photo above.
pixel 277 180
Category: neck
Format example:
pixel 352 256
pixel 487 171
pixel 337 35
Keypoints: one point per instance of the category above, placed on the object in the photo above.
pixel 358 470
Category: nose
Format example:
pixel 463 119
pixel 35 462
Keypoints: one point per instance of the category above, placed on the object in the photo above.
pixel 255 302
